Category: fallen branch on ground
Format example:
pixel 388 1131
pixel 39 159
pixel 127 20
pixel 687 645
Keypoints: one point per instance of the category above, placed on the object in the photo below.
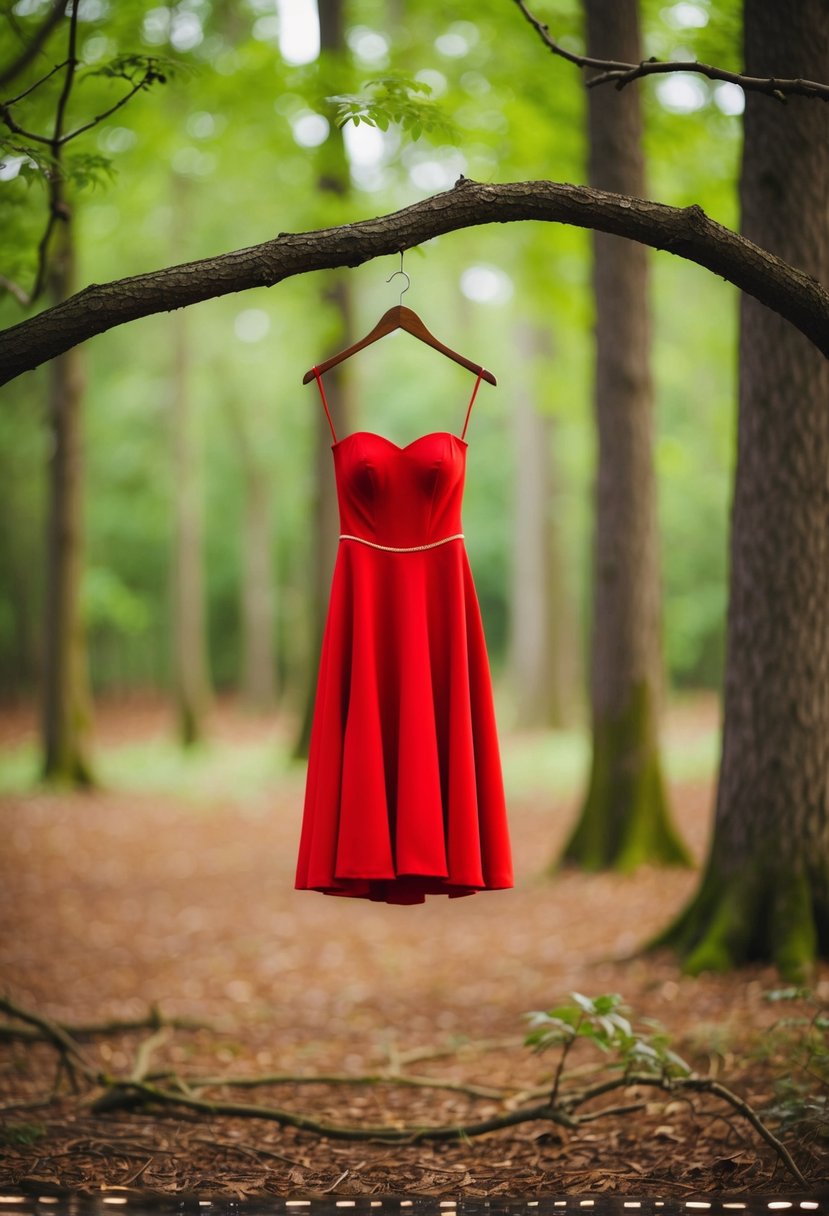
pixel 153 1020
pixel 562 1106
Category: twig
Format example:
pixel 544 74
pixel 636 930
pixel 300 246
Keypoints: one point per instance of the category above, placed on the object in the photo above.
pixel 20 294
pixel 621 73
pixel 138 1174
pixel 70 1053
pixel 607 1111
pixel 145 1051
pixel 154 1020
pixel 34 44
pixel 149 75
pixel 326 1190
pixel 698 1085
pixel 395 1079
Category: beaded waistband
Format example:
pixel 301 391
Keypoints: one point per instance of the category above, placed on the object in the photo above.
pixel 404 548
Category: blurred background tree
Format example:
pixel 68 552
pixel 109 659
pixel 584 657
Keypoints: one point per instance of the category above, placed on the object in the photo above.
pixel 190 548
pixel 250 115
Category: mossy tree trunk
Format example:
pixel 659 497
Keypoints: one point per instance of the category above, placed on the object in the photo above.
pixel 66 697
pixel 333 179
pixel 625 818
pixel 765 891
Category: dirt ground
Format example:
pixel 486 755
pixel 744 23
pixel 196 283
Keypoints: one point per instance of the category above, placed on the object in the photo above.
pixel 113 901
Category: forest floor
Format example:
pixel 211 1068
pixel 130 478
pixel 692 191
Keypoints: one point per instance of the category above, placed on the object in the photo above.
pixel 172 886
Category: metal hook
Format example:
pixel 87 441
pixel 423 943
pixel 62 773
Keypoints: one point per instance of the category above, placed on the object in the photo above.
pixel 394 275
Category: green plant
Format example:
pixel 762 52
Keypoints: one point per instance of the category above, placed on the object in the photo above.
pixel 394 99
pixel 22 1133
pixel 600 1020
pixel 800 1046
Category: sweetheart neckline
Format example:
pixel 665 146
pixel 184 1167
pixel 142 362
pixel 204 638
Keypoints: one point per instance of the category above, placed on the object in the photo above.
pixel 397 446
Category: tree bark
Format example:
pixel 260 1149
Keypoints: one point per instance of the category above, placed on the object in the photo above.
pixel 625 818
pixel 765 890
pixel 542 650
pixel 687 232
pixel 66 697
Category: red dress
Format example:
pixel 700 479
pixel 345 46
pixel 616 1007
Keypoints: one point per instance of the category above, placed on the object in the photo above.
pixel 404 794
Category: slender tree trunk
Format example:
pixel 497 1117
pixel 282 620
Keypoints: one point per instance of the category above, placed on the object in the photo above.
pixel 66 696
pixel 625 818
pixel 333 179
pixel 258 585
pixel 191 679
pixel 258 593
pixel 541 625
pixel 765 890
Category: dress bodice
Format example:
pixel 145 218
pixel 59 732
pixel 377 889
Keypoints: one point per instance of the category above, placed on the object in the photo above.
pixel 400 496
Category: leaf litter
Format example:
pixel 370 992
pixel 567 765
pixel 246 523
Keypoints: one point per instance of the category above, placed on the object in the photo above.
pixel 121 900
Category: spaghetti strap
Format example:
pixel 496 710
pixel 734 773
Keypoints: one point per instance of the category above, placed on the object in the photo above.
pixel 472 401
pixel 325 403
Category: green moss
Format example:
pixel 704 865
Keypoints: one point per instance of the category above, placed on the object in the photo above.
pixel 625 819
pixel 793 930
pixel 760 911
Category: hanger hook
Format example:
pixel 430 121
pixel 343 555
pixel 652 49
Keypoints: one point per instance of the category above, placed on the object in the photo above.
pixel 394 275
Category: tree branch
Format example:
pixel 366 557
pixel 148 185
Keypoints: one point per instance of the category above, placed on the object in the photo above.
pixel 686 232
pixel 623 73
pixel 68 1050
pixel 32 48
pixel 138 1090
pixel 154 1020
pixel 150 74
pixel 150 1095
pixel 395 1080
pixel 126 1091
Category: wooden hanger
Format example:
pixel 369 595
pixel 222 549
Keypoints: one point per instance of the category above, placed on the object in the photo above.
pixel 400 317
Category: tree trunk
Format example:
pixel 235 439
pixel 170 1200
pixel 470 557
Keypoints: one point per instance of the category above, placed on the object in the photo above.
pixel 66 696
pixel 542 652
pixel 765 890
pixel 333 179
pixel 258 608
pixel 625 818
pixel 191 679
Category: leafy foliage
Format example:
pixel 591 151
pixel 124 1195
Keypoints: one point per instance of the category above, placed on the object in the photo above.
pixel 140 70
pixel 228 125
pixel 601 1021
pixel 394 99
pixel 801 1092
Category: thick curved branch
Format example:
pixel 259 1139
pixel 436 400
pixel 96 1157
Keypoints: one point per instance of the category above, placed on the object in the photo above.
pixel 687 232
pixel 623 73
